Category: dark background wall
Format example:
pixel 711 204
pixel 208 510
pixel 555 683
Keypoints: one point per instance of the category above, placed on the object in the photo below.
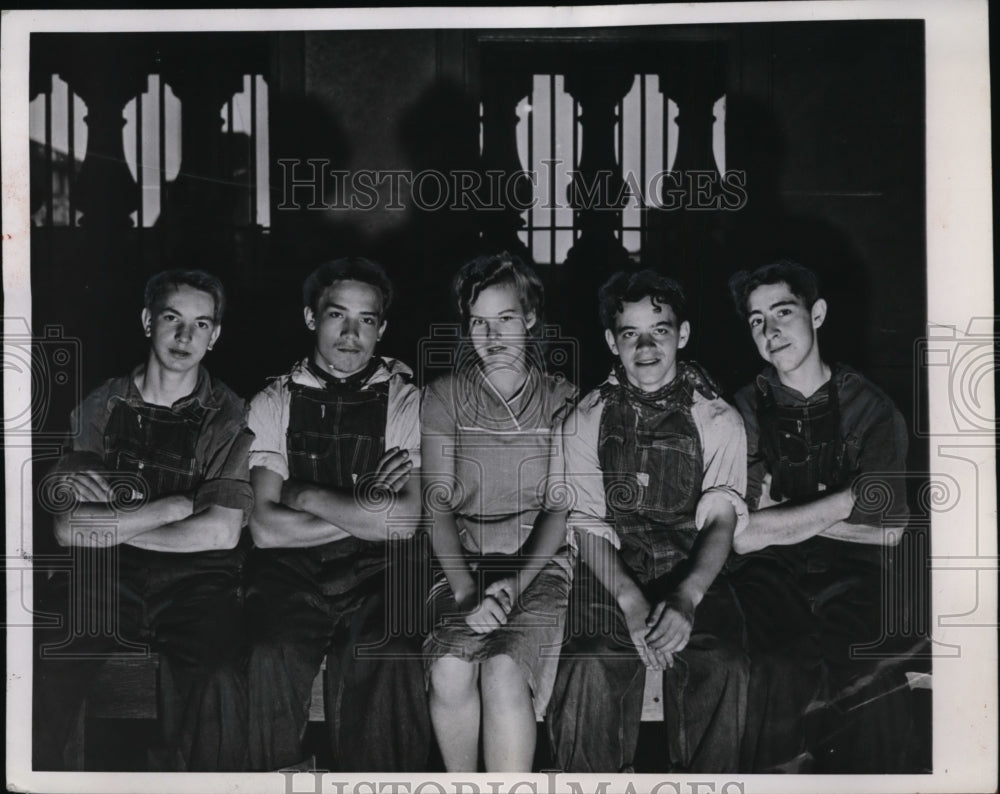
pixel 827 119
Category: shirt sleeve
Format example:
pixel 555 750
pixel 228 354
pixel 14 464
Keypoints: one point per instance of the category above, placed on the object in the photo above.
pixel 880 488
pixel 437 412
pixel 85 441
pixel 268 421
pixel 403 420
pixel 227 474
pixel 581 480
pixel 756 465
pixel 724 446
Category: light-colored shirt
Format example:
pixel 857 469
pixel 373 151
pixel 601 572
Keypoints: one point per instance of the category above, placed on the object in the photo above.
pixel 578 468
pixel 501 451
pixel 269 412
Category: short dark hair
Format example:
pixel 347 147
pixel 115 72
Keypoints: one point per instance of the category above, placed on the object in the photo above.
pixel 800 280
pixel 631 286
pixel 163 282
pixel 503 268
pixel 348 268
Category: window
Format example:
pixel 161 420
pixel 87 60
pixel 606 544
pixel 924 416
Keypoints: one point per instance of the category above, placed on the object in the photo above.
pixel 549 139
pixel 152 147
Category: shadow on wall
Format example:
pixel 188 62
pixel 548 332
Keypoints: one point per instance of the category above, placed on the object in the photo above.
pixel 439 136
pixel 769 228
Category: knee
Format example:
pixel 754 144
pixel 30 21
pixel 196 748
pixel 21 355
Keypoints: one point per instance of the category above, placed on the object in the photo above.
pixel 501 674
pixel 452 679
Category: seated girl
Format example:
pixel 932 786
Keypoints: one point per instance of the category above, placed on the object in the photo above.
pixel 499 597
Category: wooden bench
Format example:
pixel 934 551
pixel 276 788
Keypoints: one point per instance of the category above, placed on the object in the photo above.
pixel 126 689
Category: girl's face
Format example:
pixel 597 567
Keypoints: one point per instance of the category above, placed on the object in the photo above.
pixel 498 326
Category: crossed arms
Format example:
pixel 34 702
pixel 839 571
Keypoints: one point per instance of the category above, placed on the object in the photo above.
pixel 169 523
pixel 297 514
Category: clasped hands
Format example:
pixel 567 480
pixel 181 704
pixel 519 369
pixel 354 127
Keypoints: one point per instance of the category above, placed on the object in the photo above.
pixel 660 631
pixel 487 614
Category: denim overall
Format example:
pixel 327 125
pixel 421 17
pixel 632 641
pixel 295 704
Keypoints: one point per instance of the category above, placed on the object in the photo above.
pixel 650 453
pixel 651 457
pixel 806 604
pixel 335 438
pixel 186 606
pixel 331 601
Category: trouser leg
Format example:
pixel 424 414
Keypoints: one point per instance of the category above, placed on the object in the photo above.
pixel 197 622
pixel 785 668
pixel 705 691
pixel 375 698
pixel 868 716
pixel 596 705
pixel 290 628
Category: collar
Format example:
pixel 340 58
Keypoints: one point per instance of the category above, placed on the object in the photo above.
pixel 384 369
pixel 203 396
pixel 352 383
pixel 768 382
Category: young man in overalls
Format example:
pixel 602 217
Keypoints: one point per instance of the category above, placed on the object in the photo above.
pixel 654 461
pixel 810 581
pixel 159 488
pixel 335 468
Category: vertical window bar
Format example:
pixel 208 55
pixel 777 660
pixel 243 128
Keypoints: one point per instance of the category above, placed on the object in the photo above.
pixel 666 132
pixel 49 191
pixel 228 149
pixel 70 171
pixel 531 163
pixel 162 139
pixel 576 157
pixel 253 150
pixel 138 159
pixel 621 159
pixel 552 179
pixel 642 163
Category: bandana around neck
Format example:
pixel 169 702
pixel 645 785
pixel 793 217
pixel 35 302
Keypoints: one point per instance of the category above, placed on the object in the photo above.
pixel 689 378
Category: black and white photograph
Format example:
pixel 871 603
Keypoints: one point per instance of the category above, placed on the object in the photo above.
pixel 592 398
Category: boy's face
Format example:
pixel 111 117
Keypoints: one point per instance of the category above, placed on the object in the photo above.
pixel 181 328
pixel 348 324
pixel 646 338
pixel 783 328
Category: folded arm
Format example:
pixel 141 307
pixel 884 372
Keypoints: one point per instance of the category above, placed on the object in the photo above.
pixel 99 524
pixel 214 528
pixel 364 512
pixel 785 525
pixel 274 524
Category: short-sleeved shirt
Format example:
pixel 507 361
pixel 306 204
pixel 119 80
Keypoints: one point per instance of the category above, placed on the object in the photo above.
pixel 220 473
pixel 502 450
pixel 721 437
pixel 269 412
pixel 872 430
